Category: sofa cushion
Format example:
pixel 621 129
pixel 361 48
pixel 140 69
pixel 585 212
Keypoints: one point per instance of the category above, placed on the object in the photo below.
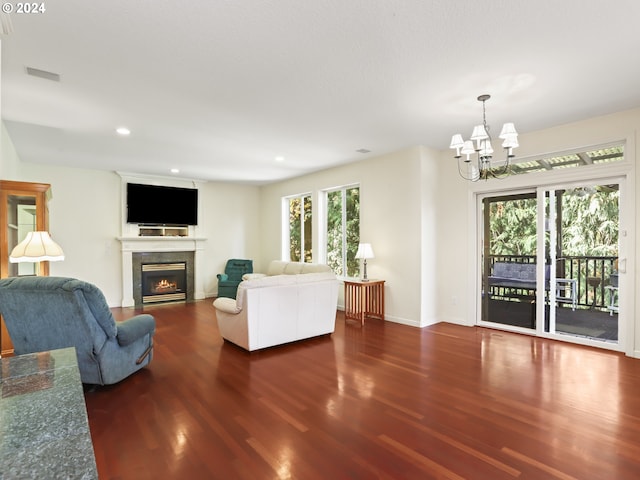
pixel 279 267
pixel 293 268
pixel 280 280
pixel 315 268
pixel 276 267
pixel 269 281
pixel 272 281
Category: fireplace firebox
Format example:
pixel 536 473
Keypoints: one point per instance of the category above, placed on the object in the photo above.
pixel 164 282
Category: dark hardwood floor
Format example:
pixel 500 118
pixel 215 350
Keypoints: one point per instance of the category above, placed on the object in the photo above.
pixel 384 401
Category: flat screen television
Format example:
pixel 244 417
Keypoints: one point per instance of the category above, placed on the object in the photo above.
pixel 161 205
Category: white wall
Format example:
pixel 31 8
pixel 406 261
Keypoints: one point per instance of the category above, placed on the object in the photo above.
pixel 390 219
pixel 9 160
pixel 230 220
pixel 456 222
pixel 453 232
pixel 85 219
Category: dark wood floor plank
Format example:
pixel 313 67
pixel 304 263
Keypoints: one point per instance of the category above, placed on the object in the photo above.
pixel 383 401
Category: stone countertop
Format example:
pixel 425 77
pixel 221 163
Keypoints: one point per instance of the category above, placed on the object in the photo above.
pixel 44 431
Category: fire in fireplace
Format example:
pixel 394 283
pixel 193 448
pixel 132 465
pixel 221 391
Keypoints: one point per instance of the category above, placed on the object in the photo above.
pixel 164 282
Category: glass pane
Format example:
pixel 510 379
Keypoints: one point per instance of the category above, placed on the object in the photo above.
pixel 343 231
pixel 584 267
pixel 600 156
pixel 334 232
pixel 509 260
pixel 353 231
pixel 308 230
pixel 21 213
pixel 294 230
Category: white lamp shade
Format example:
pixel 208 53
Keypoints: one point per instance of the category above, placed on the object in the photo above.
pixel 485 148
pixel 456 141
pixel 36 247
pixel 508 130
pixel 468 148
pixel 511 142
pixel 365 251
pixel 479 133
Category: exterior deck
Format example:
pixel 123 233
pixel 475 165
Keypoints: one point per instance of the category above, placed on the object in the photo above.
pixel 595 313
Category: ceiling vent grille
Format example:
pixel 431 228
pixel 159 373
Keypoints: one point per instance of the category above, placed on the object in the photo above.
pixel 54 77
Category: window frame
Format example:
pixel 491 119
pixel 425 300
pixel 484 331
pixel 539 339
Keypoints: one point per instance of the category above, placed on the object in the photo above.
pixel 286 227
pixel 324 214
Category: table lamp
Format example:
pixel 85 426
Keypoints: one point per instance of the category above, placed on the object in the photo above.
pixel 365 251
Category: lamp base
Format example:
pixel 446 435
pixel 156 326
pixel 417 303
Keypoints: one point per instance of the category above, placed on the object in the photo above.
pixel 364 277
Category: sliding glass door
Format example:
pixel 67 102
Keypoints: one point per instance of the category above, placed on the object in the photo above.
pixel 509 259
pixel 582 260
pixel 550 262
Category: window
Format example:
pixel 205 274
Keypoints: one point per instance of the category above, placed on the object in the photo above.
pixel 343 230
pixel 300 228
pixel 599 156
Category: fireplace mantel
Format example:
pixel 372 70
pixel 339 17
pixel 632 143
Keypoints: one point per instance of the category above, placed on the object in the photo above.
pixel 159 244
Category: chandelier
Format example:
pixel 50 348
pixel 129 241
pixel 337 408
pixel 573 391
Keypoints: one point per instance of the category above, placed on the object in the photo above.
pixel 481 165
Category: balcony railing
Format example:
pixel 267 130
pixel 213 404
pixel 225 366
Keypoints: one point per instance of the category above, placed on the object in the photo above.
pixel 592 274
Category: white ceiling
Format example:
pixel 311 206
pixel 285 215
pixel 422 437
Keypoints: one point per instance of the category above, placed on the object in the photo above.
pixel 219 88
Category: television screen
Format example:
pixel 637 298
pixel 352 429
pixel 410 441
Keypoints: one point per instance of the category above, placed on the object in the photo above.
pixel 160 205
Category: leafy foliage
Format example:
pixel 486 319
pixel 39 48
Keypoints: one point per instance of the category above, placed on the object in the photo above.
pixel 343 231
pixel 300 228
pixel 589 224
pixel 512 227
pixel 587 233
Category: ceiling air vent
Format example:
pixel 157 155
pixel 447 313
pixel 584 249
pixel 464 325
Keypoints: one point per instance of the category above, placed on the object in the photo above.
pixel 54 77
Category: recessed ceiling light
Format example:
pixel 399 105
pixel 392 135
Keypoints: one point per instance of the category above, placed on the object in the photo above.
pixel 123 131
pixel 175 170
pixel 363 150
pixel 279 158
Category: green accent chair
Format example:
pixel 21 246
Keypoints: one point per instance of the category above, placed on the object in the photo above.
pixel 229 280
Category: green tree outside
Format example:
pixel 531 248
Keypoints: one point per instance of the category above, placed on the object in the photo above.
pixel 343 231
pixel 300 210
pixel 590 219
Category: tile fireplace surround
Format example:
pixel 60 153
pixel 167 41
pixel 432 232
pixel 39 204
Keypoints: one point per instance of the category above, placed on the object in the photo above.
pixel 131 245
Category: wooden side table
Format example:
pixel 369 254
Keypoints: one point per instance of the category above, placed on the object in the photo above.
pixel 363 299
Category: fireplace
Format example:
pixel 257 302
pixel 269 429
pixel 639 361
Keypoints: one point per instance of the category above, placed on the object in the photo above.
pixel 177 266
pixel 164 282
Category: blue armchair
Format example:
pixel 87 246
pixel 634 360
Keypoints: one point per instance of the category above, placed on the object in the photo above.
pixel 229 280
pixel 47 313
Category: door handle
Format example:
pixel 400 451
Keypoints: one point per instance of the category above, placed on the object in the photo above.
pixel 622 265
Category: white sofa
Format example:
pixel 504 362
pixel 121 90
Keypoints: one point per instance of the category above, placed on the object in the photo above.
pixel 293 301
